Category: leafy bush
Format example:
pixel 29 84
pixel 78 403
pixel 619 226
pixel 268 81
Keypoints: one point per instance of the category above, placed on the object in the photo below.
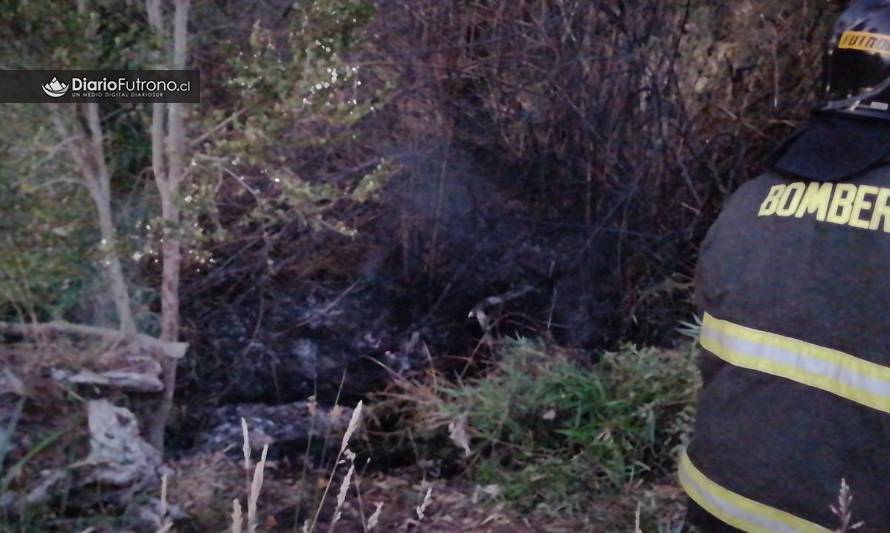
pixel 550 430
pixel 45 259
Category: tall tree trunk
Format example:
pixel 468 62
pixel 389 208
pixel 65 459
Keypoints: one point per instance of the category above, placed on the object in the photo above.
pixel 88 152
pixel 106 222
pixel 169 178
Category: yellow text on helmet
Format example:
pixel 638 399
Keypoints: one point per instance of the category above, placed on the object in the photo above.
pixel 875 43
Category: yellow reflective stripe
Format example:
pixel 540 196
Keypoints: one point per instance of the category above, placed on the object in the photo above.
pixel 830 370
pixel 736 510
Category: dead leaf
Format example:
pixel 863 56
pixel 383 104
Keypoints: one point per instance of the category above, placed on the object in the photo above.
pixel 457 431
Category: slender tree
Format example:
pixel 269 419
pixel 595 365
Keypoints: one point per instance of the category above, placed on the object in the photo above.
pixel 168 144
pixel 80 130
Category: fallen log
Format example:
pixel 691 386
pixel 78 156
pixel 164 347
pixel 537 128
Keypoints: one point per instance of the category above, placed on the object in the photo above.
pixel 173 350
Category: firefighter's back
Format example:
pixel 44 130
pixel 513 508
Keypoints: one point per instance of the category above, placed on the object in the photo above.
pixel 794 283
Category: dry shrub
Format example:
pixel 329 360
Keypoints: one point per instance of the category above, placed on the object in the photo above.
pixel 629 119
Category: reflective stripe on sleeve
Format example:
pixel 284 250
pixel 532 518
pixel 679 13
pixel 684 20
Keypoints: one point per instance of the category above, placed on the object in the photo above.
pixel 839 373
pixel 739 511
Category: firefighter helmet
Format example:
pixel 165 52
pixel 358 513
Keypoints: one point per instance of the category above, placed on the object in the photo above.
pixel 850 131
pixel 857 65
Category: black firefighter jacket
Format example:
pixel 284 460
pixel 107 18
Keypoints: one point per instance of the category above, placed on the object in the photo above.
pixel 793 282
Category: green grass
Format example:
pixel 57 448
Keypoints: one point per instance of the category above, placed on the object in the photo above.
pixel 552 432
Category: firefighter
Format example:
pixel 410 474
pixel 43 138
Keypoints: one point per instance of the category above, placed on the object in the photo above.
pixel 793 284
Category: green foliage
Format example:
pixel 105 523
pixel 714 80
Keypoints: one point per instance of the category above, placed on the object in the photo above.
pixel 551 431
pixel 294 99
pixel 45 257
pixel 51 263
pixel 297 96
pixel 50 260
pixel 61 35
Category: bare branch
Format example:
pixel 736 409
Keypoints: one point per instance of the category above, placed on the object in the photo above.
pixel 173 350
pixel 157 145
pixel 155 18
pixel 180 33
pixel 102 175
pixel 73 146
pixel 97 179
pixel 216 129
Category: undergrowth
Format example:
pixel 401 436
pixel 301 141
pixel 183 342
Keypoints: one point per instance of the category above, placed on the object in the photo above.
pixel 545 431
pixel 552 432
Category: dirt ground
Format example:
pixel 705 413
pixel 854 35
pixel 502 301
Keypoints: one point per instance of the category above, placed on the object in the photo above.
pixel 456 506
pixel 204 486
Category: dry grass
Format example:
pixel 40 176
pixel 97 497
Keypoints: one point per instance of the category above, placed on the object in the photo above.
pixel 166 522
pixel 255 478
pixel 254 486
pixel 844 509
pixel 237 517
pixel 354 422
